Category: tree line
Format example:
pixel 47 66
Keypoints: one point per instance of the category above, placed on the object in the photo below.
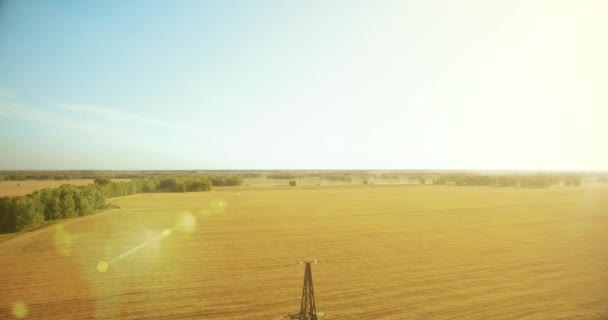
pixel 90 174
pixel 337 177
pixel 527 181
pixel 285 176
pixel 67 201
pixel 45 176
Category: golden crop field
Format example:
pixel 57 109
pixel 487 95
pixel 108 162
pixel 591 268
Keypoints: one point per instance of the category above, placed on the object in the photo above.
pixel 23 187
pixel 385 252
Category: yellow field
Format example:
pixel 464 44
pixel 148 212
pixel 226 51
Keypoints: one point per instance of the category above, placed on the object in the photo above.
pixel 386 252
pixel 23 187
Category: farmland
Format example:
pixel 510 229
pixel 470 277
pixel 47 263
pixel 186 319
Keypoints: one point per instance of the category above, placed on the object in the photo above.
pixel 385 252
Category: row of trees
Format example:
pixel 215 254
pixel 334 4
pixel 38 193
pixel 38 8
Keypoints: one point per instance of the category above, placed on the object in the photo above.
pixel 67 201
pixel 337 177
pixel 44 176
pixel 183 184
pixel 528 181
pixel 56 175
pixel 538 181
pixel 572 181
pixel 222 181
pixel 70 175
pixel 284 176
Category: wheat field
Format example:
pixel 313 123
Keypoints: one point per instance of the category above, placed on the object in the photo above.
pixel 384 252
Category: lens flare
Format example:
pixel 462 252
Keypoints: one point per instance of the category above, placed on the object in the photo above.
pixel 187 222
pixel 102 266
pixel 63 240
pixel 166 232
pixel 20 310
pixel 218 205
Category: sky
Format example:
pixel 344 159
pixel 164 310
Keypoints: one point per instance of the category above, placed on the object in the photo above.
pixel 130 85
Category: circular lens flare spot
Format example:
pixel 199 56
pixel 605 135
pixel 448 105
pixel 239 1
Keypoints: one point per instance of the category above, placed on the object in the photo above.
pixel 218 205
pixel 102 266
pixel 166 233
pixel 20 310
pixel 187 222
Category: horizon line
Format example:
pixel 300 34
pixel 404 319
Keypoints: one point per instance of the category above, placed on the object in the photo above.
pixel 322 169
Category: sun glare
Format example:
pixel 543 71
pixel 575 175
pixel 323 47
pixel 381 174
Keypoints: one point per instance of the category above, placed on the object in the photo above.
pixel 63 240
pixel 427 159
pixel 187 222
pixel 20 310
pixel 102 266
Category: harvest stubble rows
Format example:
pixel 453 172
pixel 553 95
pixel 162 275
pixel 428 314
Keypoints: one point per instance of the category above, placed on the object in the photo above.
pixel 387 252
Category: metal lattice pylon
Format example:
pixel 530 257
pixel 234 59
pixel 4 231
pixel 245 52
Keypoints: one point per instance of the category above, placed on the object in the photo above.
pixel 308 310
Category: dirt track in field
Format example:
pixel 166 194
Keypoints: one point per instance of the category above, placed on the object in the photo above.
pixel 386 252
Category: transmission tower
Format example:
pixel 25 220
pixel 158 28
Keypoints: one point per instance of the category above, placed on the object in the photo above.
pixel 308 310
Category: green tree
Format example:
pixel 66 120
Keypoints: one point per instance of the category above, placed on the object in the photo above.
pixel 439 181
pixel 68 206
pixel 7 215
pixel 28 213
pixel 102 181
pixel 83 206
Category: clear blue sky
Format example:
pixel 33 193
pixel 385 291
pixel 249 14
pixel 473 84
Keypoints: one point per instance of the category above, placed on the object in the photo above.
pixel 303 84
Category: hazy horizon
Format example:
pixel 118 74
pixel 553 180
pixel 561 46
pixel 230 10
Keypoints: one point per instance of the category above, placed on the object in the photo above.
pixel 320 170
pixel 396 85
